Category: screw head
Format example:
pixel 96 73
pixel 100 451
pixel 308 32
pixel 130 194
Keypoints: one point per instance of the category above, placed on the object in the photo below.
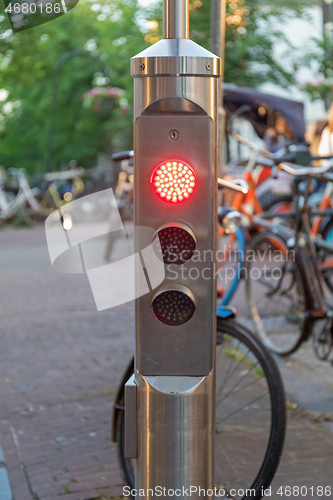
pixel 208 67
pixel 142 66
pixel 173 135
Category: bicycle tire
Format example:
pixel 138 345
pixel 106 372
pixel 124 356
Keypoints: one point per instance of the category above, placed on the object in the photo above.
pixel 268 199
pixel 237 248
pixel 31 216
pixel 327 272
pixel 240 356
pixel 275 294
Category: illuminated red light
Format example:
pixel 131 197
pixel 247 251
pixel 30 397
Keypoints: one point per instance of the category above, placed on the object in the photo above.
pixel 174 181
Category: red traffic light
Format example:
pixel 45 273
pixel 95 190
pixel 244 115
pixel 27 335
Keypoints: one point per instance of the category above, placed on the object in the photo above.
pixel 173 181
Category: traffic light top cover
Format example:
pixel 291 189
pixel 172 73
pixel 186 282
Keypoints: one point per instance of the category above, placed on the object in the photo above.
pixel 175 57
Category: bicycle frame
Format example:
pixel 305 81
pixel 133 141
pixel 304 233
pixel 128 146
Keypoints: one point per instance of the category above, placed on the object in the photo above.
pixel 308 262
pixel 25 192
pixel 305 255
pixel 325 203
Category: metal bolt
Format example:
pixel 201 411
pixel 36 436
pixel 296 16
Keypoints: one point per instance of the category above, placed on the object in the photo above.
pixel 142 66
pixel 208 67
pixel 173 135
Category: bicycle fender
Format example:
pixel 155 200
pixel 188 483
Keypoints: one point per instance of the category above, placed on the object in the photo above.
pixel 225 312
pixel 242 246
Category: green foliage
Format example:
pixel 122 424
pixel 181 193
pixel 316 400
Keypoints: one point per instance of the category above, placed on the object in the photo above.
pixel 27 61
pixel 320 59
pixel 253 28
pixel 115 30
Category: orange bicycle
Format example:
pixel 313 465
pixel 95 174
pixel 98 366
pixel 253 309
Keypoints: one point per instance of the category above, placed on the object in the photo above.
pixel 256 219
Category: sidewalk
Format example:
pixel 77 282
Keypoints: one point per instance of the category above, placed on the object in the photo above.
pixel 5 491
pixel 60 365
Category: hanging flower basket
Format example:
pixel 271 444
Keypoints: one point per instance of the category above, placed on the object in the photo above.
pixel 105 99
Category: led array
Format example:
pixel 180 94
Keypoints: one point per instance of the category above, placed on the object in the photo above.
pixel 173 307
pixel 174 181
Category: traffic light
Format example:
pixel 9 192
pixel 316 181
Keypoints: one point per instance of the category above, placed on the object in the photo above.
pixel 175 156
pixel 175 195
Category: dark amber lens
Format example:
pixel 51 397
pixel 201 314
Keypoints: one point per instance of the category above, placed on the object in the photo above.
pixel 176 245
pixel 173 307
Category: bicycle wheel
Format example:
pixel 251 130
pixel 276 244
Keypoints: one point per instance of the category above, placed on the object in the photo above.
pixel 326 257
pixel 268 199
pixel 322 339
pixel 230 258
pixel 250 415
pixel 39 211
pixel 275 294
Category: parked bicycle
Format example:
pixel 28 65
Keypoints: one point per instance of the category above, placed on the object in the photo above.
pixel 255 218
pixel 13 199
pixel 124 190
pixel 250 412
pixel 35 204
pixel 287 298
pixel 250 404
pixel 57 189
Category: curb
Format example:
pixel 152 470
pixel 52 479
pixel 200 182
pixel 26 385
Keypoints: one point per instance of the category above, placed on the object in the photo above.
pixel 5 491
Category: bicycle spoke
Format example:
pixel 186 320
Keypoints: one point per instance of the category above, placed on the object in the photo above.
pixel 244 436
pixel 234 355
pixel 246 386
pixel 239 381
pixel 247 405
pixel 230 366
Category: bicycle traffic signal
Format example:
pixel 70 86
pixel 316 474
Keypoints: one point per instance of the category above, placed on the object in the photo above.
pixel 175 195
pixel 175 157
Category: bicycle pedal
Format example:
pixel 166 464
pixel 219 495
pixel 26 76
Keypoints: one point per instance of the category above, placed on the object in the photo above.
pixel 242 274
pixel 315 315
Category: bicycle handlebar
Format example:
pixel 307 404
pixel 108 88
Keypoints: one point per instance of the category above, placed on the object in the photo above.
pixel 270 159
pixel 238 185
pixel 64 175
pixel 252 145
pixel 301 171
pixel 123 155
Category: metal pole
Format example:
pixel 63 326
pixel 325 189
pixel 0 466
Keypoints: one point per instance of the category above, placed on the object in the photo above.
pixel 173 388
pixel 176 19
pixel 218 47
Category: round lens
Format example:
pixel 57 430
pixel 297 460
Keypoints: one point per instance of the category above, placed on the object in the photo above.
pixel 173 307
pixel 174 181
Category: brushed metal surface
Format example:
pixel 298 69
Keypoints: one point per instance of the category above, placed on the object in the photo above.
pixel 130 418
pixel 176 19
pixel 175 432
pixel 160 347
pixel 176 88
pixel 170 57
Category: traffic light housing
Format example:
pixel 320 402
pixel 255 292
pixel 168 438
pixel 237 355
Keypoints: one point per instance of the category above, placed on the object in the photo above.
pixel 171 434
pixel 175 155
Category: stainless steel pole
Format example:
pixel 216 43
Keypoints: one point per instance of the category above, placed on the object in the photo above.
pixel 173 388
pixel 218 46
pixel 176 19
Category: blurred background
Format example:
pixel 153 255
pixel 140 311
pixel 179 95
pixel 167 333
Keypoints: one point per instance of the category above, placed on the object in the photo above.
pixel 66 102
pixel 274 46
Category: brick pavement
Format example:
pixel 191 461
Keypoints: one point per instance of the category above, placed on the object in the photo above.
pixel 60 363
